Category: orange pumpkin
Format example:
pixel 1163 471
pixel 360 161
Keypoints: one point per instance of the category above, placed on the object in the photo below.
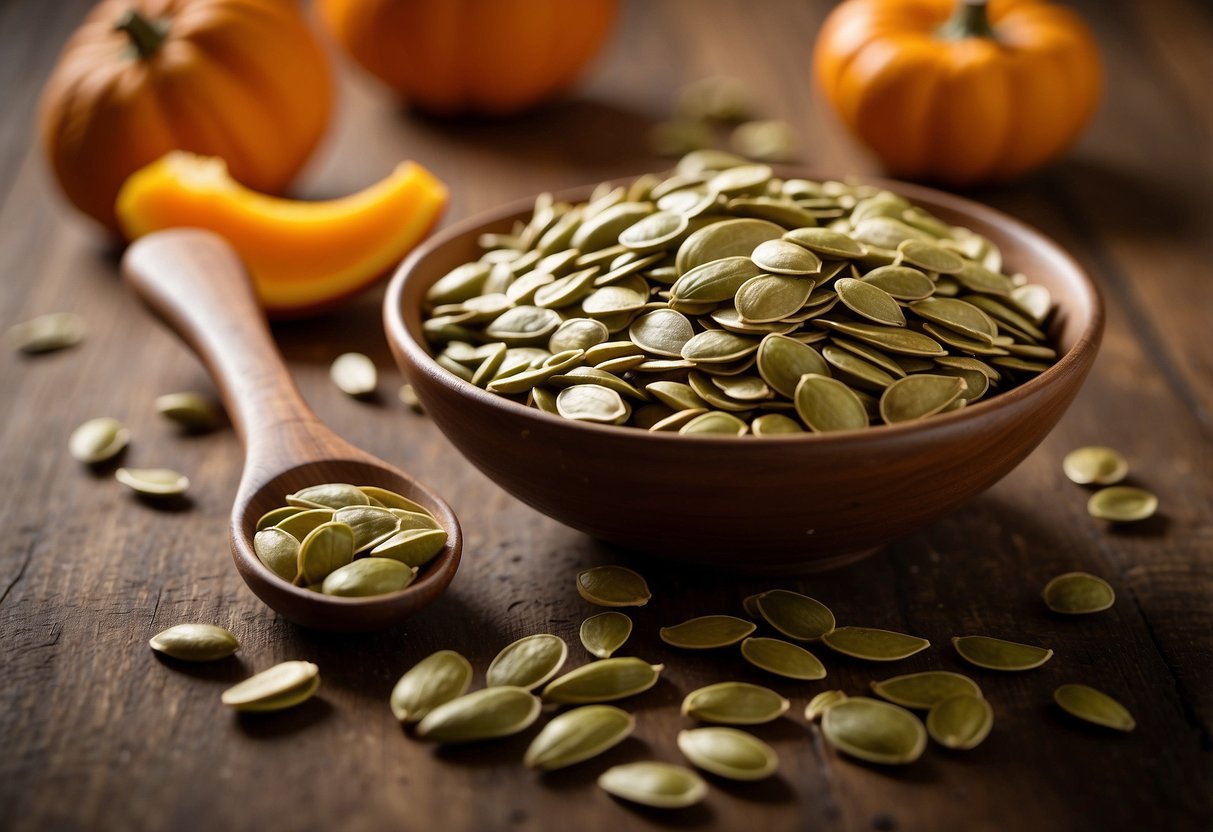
pixel 244 80
pixel 485 57
pixel 959 92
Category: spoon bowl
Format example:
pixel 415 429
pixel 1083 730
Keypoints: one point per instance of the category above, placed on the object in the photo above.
pixel 194 281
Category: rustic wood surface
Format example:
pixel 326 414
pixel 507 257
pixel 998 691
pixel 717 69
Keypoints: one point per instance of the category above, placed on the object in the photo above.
pixel 96 733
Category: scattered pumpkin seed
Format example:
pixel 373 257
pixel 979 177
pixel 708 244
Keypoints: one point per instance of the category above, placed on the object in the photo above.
pixel 282 686
pixel 728 752
pixel 708 631
pixel 577 735
pixel 796 616
pixel 195 642
pixel 408 397
pixel 605 633
pixel 997 654
pixel 1090 705
pixel 368 576
pixel 613 586
pixel 193 411
pixel 782 658
pixel 658 785
pixel 603 681
pixel 1122 504
pixel 875 731
pixel 528 662
pixel 46 333
pixel 153 482
pixel 1095 465
pixel 924 690
pixel 734 703
pixel 433 681
pixel 489 713
pixel 98 440
pixel 354 374
pixel 1077 593
pixel 873 645
pixel 822 702
pixel 960 722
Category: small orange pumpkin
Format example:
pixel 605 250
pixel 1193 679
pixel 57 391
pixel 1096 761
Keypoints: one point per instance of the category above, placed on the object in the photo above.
pixel 483 57
pixel 959 92
pixel 244 80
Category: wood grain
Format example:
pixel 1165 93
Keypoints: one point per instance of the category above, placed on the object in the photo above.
pixel 99 734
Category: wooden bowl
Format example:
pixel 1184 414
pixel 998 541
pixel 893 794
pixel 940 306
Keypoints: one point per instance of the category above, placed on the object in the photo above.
pixel 793 505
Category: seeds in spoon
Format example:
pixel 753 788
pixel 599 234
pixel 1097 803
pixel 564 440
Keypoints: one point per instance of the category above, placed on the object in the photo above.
pixel 1078 593
pixel 528 662
pixel 368 576
pixel 281 686
pixel 960 722
pixel 279 551
pixel 195 642
pixel 728 752
pixel 613 586
pixel 578 735
pixel 433 681
pixel 997 654
pixel 1088 704
pixel 707 632
pixel 605 633
pixel 659 785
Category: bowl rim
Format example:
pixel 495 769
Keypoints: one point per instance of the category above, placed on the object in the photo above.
pixel 1079 357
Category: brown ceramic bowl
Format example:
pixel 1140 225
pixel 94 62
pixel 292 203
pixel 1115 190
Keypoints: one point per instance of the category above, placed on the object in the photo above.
pixel 795 504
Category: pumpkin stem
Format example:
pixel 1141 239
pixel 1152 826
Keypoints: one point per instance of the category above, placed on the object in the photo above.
pixel 970 20
pixel 146 35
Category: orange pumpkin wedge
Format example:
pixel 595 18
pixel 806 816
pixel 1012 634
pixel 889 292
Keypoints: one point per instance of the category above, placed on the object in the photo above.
pixel 303 256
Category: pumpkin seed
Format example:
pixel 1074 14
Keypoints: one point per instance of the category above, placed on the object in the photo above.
pixel 389 499
pixel 771 297
pixel 997 654
pixel 825 404
pixel 528 662
pixel 1091 705
pixel 918 396
pixel 960 722
pixel 484 714
pixel 900 282
pixel 276 515
pixel 603 681
pixel 46 333
pixel 354 374
pixel 1077 593
pixel 591 403
pixel 725 239
pixel 661 332
pixel 783 361
pixel 371 525
pixel 822 702
pixel 782 658
pixel 707 631
pixel 301 524
pixel 734 703
pixel 1122 504
pixel 925 690
pixel 193 411
pixel 825 242
pixel 930 257
pixel 577 735
pixel 774 424
pixel 796 616
pixel 873 645
pixel 98 440
pixel 578 334
pixel 859 373
pixel 958 316
pixel 433 681
pixel 332 495
pixel 613 586
pixel 412 547
pixel 153 482
pixel 605 633
pixel 890 339
pixel 874 731
pixel 1095 465
pixel 279 551
pixel 717 346
pixel 728 752
pixel 715 422
pixel 783 257
pixel 869 301
pixel 327 547
pixel 658 785
pixel 195 642
pixel 281 686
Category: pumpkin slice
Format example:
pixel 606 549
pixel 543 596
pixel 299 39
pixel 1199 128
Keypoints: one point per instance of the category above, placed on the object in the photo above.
pixel 303 256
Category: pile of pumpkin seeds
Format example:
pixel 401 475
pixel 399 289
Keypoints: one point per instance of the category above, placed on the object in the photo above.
pixel 348 540
pixel 433 695
pixel 726 300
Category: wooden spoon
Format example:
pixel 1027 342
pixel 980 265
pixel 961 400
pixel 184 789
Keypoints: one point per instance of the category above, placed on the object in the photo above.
pixel 194 281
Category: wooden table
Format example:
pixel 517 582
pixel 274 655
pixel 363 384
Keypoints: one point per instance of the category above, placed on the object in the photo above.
pixel 98 734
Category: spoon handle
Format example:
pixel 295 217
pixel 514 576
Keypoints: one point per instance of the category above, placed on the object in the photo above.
pixel 194 281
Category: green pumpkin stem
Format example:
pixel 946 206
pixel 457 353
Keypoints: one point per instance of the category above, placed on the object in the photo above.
pixel 147 36
pixel 970 20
